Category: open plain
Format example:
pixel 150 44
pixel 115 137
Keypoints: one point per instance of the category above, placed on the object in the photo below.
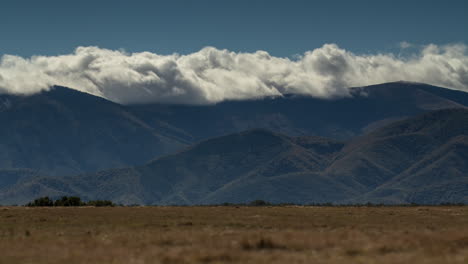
pixel 234 234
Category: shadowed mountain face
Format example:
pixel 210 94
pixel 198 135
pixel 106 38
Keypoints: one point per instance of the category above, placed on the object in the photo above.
pixel 64 132
pixel 68 132
pixel 421 159
pixel 426 158
pixel 366 109
pixel 232 168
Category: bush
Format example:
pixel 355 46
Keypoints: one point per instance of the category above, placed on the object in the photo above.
pixel 69 201
pixel 42 201
pixel 99 203
pixel 259 203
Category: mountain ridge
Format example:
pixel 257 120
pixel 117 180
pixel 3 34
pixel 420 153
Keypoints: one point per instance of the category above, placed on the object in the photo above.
pixel 63 133
pixel 391 165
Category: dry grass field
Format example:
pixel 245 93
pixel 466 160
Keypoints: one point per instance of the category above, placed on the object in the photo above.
pixel 234 235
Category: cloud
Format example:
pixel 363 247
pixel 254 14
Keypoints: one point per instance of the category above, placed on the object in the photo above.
pixel 405 45
pixel 212 75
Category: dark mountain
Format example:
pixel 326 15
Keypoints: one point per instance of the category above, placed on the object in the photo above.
pixel 368 108
pixel 427 158
pixel 233 168
pixel 13 176
pixel 422 159
pixel 10 179
pixel 64 131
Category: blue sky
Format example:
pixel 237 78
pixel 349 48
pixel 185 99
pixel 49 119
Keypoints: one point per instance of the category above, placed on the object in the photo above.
pixel 283 28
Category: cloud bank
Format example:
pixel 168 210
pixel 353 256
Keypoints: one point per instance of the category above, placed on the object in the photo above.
pixel 212 75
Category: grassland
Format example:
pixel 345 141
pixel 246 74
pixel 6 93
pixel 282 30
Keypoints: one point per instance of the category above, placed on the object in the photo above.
pixel 234 235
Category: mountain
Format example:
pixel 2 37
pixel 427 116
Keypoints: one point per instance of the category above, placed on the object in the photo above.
pixel 10 178
pixel 231 168
pixel 13 176
pixel 64 131
pixel 423 159
pixel 426 157
pixel 366 109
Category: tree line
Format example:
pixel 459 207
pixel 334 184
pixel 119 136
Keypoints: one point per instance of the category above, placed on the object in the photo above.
pixel 76 201
pixel 68 201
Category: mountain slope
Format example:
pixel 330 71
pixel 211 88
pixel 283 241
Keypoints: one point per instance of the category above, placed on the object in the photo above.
pixel 412 159
pixel 215 164
pixel 208 171
pixel 422 159
pixel 64 131
pixel 367 109
pixel 440 177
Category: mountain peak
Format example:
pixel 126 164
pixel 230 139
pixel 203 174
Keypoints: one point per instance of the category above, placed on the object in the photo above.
pixel 243 141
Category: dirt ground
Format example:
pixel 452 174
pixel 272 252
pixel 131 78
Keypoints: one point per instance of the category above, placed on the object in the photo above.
pixel 234 235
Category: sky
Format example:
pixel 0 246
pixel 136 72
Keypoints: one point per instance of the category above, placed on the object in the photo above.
pixel 282 28
pixel 208 51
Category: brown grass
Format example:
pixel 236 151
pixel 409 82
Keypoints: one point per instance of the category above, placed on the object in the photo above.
pixel 234 235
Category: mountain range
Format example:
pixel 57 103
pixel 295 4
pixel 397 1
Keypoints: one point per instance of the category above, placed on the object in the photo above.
pixel 390 143
pixel 64 132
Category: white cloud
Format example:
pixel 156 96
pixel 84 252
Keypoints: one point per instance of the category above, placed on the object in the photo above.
pixel 212 75
pixel 405 45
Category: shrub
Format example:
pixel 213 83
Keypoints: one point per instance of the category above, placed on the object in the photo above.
pixel 69 201
pixel 99 203
pixel 259 203
pixel 42 201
